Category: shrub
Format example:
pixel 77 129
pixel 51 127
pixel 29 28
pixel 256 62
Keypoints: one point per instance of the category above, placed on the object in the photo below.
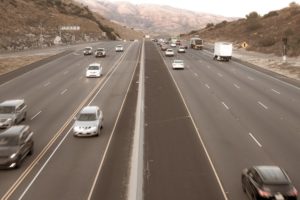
pixel 271 14
pixel 253 25
pixel 252 15
pixel 209 25
pixel 266 42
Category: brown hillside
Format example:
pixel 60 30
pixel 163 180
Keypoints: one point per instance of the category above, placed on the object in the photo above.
pixel 262 33
pixel 36 23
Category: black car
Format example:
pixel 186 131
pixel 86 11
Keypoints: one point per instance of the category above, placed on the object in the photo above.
pixel 15 144
pixel 268 182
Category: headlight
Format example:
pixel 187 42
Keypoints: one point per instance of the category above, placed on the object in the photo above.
pixel 13 156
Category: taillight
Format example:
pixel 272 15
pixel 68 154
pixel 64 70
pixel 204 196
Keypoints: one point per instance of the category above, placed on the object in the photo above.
pixel 293 192
pixel 263 193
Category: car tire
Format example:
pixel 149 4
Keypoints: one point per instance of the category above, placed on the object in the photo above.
pixel 18 163
pixel 31 151
pixel 24 117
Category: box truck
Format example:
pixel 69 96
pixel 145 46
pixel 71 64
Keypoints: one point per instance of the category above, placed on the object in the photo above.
pixel 223 51
pixel 196 43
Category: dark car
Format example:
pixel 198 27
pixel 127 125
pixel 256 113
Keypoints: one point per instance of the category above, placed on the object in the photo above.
pixel 15 144
pixel 268 182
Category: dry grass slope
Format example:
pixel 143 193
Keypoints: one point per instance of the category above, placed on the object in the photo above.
pixel 262 33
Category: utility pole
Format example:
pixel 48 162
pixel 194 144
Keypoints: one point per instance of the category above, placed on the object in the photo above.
pixel 284 40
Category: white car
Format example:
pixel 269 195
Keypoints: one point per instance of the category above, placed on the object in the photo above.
pixel 88 51
pixel 100 52
pixel 89 122
pixel 178 64
pixel 94 70
pixel 173 44
pixel 181 49
pixel 119 48
pixel 169 52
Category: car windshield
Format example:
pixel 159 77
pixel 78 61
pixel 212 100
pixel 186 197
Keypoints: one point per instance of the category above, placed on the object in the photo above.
pixel 88 48
pixel 6 109
pixel 8 140
pixel 100 49
pixel 93 68
pixel 119 46
pixel 87 117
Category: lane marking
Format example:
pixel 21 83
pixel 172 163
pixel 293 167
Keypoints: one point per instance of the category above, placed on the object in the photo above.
pixel 195 74
pixel 225 106
pixel 66 72
pixel 21 178
pixel 80 77
pixel 63 92
pixel 35 115
pixel 199 136
pixel 219 74
pixel 256 141
pixel 263 105
pixel 46 84
pixel 250 78
pixel 275 91
pixel 135 186
pixel 235 85
pixel 207 86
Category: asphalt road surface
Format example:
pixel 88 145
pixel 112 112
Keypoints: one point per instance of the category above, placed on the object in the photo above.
pixel 203 125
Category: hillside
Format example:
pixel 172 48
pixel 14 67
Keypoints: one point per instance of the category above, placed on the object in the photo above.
pixel 262 33
pixel 153 19
pixel 36 23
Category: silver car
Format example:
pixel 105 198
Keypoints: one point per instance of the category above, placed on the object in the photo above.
pixel 12 112
pixel 89 122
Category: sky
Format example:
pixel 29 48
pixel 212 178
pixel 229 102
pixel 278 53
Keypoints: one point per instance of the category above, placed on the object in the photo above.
pixel 228 8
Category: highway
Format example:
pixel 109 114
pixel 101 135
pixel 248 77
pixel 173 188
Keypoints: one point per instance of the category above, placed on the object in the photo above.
pixel 203 125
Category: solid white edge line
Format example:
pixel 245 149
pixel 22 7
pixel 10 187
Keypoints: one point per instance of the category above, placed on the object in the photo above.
pixel 135 186
pixel 256 141
pixel 198 133
pixel 263 105
pixel 59 144
pixel 110 138
pixel 35 115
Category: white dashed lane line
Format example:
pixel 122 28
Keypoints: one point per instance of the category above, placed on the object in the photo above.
pixel 275 91
pixel 263 105
pixel 63 92
pixel 207 86
pixel 235 85
pixel 224 104
pixel 195 74
pixel 219 74
pixel 66 72
pixel 35 115
pixel 250 78
pixel 46 84
pixel 255 140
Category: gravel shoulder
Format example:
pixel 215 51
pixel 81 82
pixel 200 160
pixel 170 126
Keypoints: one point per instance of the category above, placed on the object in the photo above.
pixel 290 68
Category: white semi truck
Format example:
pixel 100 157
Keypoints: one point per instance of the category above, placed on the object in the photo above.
pixel 223 51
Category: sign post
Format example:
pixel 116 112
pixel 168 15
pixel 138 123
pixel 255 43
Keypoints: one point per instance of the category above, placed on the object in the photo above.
pixel 284 40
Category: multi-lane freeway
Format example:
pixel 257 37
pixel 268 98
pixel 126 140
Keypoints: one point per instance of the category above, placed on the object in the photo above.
pixel 202 126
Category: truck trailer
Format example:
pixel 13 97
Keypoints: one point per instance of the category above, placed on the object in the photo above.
pixel 196 43
pixel 223 51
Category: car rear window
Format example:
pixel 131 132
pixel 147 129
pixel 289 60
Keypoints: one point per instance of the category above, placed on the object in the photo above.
pixel 274 176
pixel 87 117
pixel 93 67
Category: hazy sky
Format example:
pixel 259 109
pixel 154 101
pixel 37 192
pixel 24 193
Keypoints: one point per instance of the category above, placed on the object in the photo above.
pixel 230 8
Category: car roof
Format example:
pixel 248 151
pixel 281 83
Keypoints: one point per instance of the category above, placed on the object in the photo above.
pixel 272 175
pixel 89 109
pixel 119 45
pixel 169 49
pixel 88 47
pixel 95 64
pixel 100 49
pixel 14 130
pixel 13 102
